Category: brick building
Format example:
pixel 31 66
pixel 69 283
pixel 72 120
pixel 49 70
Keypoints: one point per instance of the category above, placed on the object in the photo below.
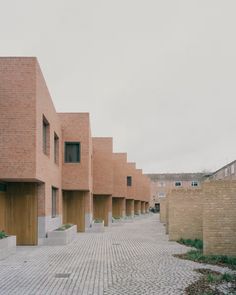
pixel 51 169
pixel 163 183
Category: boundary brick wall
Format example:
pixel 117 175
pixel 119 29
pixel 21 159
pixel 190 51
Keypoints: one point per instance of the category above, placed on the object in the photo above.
pixel 163 210
pixel 185 208
pixel 219 218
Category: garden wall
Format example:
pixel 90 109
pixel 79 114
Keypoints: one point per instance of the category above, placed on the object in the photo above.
pixel 185 208
pixel 219 218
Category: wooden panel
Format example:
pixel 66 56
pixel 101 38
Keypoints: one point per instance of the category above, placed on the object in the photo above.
pixel 2 211
pixel 143 207
pixel 137 207
pixel 74 209
pixel 21 213
pixel 129 207
pixel 101 208
pixel 117 207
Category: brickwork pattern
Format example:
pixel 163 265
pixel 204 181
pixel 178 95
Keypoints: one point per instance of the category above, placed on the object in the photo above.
pixel 185 208
pixel 219 218
pixel 163 210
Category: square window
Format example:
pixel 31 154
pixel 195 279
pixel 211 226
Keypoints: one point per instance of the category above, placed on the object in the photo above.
pixel 129 180
pixel 178 183
pixel 195 183
pixel 72 152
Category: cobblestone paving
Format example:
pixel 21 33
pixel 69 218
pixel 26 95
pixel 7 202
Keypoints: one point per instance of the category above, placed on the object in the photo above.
pixel 132 258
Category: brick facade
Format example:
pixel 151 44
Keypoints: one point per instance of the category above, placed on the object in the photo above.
pixel 219 218
pixel 185 208
pixel 32 150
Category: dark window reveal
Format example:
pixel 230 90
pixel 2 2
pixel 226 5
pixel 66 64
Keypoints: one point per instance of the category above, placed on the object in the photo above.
pixel 46 136
pixel 3 187
pixel 72 152
pixel 54 202
pixel 129 180
pixel 56 148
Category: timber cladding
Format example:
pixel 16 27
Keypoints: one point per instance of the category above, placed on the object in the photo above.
pixel 185 207
pixel 118 207
pixel 74 208
pixel 2 210
pixel 102 207
pixel 129 207
pixel 219 218
pixel 137 207
pixel 21 212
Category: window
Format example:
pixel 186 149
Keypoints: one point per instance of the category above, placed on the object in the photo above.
pixel 129 180
pixel 56 148
pixel 232 169
pixel 3 187
pixel 54 202
pixel 46 136
pixel 178 183
pixel 195 183
pixel 72 152
pixel 161 195
pixel 161 184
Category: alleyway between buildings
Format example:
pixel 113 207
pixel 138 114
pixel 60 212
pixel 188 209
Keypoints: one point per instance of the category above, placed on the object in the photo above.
pixel 131 258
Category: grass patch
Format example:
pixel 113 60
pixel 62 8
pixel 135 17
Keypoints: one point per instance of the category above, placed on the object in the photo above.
pixel 3 235
pixel 210 282
pixel 65 226
pixel 221 260
pixel 198 244
pixel 98 220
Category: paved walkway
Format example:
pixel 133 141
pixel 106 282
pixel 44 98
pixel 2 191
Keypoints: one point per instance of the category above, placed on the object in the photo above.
pixel 133 258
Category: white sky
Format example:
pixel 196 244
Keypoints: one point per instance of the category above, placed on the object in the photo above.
pixel 159 76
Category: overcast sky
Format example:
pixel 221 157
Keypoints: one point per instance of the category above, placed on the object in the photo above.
pixel 159 76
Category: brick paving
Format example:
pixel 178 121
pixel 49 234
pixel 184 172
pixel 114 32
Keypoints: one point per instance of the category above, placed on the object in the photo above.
pixel 132 258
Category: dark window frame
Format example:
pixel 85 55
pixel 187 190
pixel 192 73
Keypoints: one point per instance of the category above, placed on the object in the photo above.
pixel 56 148
pixel 54 201
pixel 129 180
pixel 46 136
pixel 178 183
pixel 68 143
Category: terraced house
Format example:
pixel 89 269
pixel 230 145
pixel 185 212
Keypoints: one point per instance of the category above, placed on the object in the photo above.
pixel 51 169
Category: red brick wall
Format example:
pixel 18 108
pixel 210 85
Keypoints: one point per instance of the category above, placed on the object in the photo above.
pixel 102 165
pixel 76 127
pixel 17 118
pixel 119 175
pixel 131 171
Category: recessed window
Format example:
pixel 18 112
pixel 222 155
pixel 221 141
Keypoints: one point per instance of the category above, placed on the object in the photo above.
pixel 3 187
pixel 129 180
pixel 56 148
pixel 178 183
pixel 54 201
pixel 46 136
pixel 195 183
pixel 72 152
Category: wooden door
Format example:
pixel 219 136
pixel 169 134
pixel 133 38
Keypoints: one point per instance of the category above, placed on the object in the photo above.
pixel 117 207
pixel 74 209
pixel 101 208
pixel 2 211
pixel 129 207
pixel 21 212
